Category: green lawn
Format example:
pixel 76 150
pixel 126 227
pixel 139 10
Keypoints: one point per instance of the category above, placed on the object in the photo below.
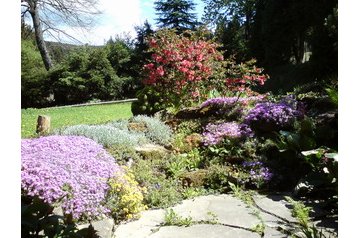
pixel 73 116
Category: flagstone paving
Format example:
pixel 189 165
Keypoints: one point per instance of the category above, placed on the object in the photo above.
pixel 212 216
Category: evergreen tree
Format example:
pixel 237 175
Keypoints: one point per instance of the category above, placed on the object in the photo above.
pixel 176 14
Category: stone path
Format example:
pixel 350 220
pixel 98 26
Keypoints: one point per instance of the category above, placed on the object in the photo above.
pixel 215 216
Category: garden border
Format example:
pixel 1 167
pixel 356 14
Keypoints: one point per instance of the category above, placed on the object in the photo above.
pixel 96 103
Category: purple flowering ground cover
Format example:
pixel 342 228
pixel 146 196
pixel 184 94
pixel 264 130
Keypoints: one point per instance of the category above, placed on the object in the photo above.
pixel 276 115
pixel 73 170
pixel 216 133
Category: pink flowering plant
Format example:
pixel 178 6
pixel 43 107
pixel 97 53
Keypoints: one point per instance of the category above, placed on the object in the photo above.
pixel 69 170
pixel 185 68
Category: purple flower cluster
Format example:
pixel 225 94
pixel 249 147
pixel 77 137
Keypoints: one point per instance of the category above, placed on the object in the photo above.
pixel 73 170
pixel 257 171
pixel 275 114
pixel 215 133
pixel 221 105
pixel 220 102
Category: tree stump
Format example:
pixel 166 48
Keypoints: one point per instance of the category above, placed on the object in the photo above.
pixel 43 124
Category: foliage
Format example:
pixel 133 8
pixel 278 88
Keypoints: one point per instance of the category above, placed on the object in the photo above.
pixel 156 130
pixel 322 180
pixel 173 219
pixel 38 220
pixel 122 57
pixel 106 135
pixel 162 191
pixel 149 102
pixel 67 116
pixel 184 162
pixel 175 14
pixel 71 170
pixel 180 65
pixel 245 196
pixel 34 83
pixel 186 68
pixel 125 197
pixel 123 154
pixel 85 74
pixel 191 192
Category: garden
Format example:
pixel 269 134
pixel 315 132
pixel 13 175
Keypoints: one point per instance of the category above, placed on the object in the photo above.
pixel 202 125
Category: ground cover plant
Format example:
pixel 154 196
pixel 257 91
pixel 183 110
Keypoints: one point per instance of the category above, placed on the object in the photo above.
pixel 77 175
pixel 67 116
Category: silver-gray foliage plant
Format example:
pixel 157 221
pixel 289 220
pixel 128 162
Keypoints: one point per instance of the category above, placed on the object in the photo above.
pixel 106 135
pixel 157 131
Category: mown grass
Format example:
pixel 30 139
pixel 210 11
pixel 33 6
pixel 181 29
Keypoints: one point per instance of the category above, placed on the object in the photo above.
pixel 73 115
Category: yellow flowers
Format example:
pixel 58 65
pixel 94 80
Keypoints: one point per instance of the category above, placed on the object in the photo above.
pixel 126 196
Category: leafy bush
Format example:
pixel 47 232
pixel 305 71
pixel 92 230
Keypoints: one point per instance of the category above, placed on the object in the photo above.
pixel 72 170
pixel 156 130
pixel 38 220
pixel 34 82
pixel 149 102
pixel 106 135
pixel 185 68
pixel 162 191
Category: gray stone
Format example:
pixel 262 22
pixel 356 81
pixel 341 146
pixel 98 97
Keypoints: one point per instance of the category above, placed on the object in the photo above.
pixel 150 220
pixel 103 227
pixel 148 148
pixel 275 204
pixel 202 231
pixel 234 219
pixel 229 210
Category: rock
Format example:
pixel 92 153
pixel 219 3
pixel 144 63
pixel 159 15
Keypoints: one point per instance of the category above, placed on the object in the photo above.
pixel 137 126
pixel 194 178
pixel 150 220
pixel 151 150
pixel 43 124
pixel 232 216
pixel 164 115
pixel 193 141
pixel 189 113
pixel 102 227
pixel 203 231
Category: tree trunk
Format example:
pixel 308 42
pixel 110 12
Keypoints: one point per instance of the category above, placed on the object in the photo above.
pixel 39 35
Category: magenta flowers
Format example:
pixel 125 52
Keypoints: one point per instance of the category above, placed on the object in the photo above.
pixel 73 170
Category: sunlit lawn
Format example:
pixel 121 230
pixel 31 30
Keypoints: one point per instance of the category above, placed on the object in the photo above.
pixel 73 115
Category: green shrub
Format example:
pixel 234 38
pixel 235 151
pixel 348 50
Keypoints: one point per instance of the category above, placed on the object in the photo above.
pixel 34 81
pixel 149 102
pixel 162 191
pixel 123 154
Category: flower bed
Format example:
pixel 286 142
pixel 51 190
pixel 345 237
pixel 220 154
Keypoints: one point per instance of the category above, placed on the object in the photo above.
pixel 72 170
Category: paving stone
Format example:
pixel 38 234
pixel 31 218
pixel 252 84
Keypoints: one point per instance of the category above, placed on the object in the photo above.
pixel 143 227
pixel 202 231
pixel 227 209
pixel 103 227
pixel 275 204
